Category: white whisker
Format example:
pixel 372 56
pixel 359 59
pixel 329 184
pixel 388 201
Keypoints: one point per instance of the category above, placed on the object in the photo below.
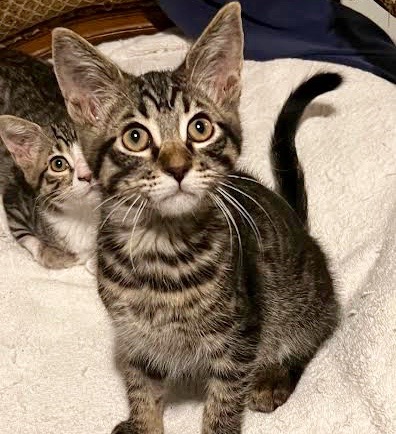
pixel 259 183
pixel 105 201
pixel 253 200
pixel 130 208
pixel 135 222
pixel 117 206
pixel 214 199
pixel 244 213
pixel 245 178
pixel 231 217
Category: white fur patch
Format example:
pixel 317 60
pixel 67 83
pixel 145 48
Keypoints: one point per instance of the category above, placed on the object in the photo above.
pixel 77 226
pixel 172 198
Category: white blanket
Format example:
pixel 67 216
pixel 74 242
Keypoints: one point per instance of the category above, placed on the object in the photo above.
pixel 56 370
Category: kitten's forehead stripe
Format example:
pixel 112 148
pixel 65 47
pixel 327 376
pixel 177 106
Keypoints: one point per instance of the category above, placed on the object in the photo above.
pixel 174 93
pixel 127 116
pixel 64 133
pixel 142 109
pixel 186 103
pixel 160 89
pixel 152 98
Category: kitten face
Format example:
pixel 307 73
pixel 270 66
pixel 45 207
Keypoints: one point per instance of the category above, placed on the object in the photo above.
pixel 170 147
pixel 66 176
pixel 50 158
pixel 165 137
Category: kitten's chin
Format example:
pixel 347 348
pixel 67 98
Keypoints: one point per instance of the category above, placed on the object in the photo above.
pixel 178 204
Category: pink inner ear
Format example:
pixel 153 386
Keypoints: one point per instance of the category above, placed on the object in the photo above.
pixel 19 148
pixel 83 107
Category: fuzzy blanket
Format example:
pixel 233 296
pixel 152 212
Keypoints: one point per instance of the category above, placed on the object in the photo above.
pixel 56 369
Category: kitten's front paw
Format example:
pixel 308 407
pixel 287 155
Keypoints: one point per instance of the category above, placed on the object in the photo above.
pixel 268 398
pixel 54 258
pixel 124 428
pixel 129 427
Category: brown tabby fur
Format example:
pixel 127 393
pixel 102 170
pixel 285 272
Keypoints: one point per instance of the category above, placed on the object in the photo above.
pixel 205 273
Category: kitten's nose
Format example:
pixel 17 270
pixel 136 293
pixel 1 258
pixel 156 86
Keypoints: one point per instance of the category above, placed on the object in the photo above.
pixel 175 159
pixel 87 176
pixel 178 172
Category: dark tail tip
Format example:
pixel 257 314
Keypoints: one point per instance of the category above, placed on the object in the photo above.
pixel 326 82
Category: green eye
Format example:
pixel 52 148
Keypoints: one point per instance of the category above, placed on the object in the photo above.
pixel 59 164
pixel 200 129
pixel 136 139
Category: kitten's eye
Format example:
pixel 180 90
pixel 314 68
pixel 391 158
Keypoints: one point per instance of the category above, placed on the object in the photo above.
pixel 59 164
pixel 200 129
pixel 136 139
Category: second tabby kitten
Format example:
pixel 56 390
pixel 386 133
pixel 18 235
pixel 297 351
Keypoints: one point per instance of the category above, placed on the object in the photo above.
pixel 48 191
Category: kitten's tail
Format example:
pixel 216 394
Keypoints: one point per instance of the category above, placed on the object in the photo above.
pixel 288 174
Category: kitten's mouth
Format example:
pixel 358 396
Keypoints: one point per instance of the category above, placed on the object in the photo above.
pixel 180 194
pixel 178 202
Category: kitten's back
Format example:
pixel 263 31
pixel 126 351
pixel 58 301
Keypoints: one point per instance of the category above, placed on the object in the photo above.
pixel 29 89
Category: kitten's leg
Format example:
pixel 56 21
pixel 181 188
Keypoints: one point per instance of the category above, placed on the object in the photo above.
pixel 272 386
pixel 145 397
pixel 46 255
pixel 226 396
pixel 31 244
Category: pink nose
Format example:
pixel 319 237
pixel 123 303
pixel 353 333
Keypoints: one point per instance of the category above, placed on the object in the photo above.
pixel 86 176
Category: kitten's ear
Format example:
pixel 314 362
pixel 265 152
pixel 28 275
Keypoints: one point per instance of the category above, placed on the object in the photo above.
pixel 27 144
pixel 87 79
pixel 214 63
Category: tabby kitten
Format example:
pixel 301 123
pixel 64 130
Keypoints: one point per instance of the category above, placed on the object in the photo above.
pixel 48 191
pixel 205 273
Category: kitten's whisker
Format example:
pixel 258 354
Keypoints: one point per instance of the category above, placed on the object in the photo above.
pixel 45 197
pixel 105 201
pixel 244 213
pixel 117 206
pixel 214 199
pixel 231 217
pixel 253 200
pixel 135 222
pixel 245 178
pixel 130 208
pixel 259 183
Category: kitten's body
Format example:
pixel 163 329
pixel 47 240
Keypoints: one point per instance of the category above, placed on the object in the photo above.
pixel 205 273
pixel 53 217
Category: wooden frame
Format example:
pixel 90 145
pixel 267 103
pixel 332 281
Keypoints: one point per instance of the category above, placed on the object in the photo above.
pixel 96 24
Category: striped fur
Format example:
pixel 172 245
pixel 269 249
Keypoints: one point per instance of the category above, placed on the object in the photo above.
pixel 49 213
pixel 207 275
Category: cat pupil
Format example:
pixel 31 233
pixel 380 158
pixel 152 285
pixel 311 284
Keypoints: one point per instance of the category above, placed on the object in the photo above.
pixel 135 135
pixel 59 163
pixel 200 127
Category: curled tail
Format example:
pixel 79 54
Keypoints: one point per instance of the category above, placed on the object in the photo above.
pixel 288 174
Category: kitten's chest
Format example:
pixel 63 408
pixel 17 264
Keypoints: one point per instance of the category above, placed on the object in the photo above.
pixel 169 300
pixel 75 230
pixel 174 343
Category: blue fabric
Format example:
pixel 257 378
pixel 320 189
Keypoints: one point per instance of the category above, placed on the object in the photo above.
pixel 307 29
